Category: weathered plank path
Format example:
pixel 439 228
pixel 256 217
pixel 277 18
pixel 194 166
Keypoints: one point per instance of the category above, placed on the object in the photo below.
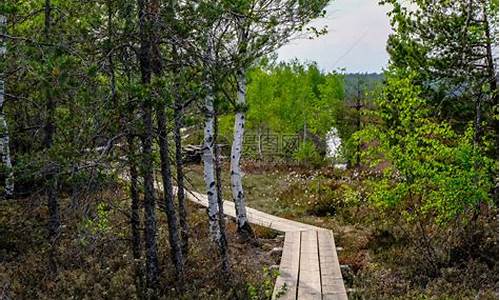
pixel 309 267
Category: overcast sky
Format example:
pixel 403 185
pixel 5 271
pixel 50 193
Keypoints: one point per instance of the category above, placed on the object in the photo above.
pixel 357 33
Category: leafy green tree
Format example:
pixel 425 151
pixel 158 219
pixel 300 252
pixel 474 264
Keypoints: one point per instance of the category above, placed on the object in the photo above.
pixel 449 45
pixel 259 29
pixel 289 99
pixel 433 175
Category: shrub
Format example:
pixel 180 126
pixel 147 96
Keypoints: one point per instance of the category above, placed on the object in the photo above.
pixel 436 179
pixel 307 154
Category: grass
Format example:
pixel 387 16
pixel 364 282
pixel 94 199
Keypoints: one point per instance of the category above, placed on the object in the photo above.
pixel 95 260
pixel 384 259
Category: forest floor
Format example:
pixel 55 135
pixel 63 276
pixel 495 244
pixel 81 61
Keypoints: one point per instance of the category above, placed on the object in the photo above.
pixel 382 264
pixel 94 256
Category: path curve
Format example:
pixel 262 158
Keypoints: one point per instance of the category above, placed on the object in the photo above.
pixel 309 267
pixel 255 216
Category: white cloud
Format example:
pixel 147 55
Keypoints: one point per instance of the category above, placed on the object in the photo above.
pixel 357 34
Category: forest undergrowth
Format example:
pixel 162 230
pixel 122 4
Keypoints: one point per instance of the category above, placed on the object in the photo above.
pixel 387 257
pixel 94 257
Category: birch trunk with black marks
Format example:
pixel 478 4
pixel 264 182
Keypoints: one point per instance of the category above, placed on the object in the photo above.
pixel 152 269
pixel 209 167
pixel 208 151
pixel 222 222
pixel 4 130
pixel 236 150
pixel 168 194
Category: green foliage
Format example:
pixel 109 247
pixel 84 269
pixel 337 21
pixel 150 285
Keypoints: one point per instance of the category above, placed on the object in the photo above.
pixel 449 45
pixel 433 172
pixel 285 98
pixel 266 287
pixel 99 225
pixel 307 154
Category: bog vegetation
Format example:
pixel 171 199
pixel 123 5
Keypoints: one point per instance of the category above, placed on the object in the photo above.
pixel 99 99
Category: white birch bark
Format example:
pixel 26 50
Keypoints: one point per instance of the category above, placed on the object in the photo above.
pixel 209 153
pixel 236 150
pixel 4 130
pixel 209 168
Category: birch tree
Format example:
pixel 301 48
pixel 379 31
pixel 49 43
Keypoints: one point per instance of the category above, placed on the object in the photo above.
pixel 208 157
pixel 4 130
pixel 218 177
pixel 260 28
pixel 449 46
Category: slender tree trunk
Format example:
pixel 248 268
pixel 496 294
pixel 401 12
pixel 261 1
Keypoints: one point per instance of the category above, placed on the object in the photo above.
pixel 168 194
pixel 166 173
pixel 491 66
pixel 209 153
pixel 54 221
pixel 178 122
pixel 477 122
pixel 358 127
pixel 180 175
pixel 135 221
pixel 4 130
pixel 259 142
pixel 53 206
pixel 236 150
pixel 135 207
pixel 489 54
pixel 127 125
pixel 152 269
pixel 222 223
pixel 209 168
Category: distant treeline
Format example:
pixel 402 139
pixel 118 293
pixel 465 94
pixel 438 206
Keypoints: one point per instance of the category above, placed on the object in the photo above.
pixel 294 99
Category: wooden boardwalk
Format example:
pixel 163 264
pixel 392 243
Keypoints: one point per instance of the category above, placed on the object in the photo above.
pixel 309 267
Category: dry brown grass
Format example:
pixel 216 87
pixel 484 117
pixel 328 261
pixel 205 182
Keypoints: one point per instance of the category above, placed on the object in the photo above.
pixel 95 261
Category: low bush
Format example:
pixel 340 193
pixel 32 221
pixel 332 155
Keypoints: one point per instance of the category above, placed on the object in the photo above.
pixel 308 155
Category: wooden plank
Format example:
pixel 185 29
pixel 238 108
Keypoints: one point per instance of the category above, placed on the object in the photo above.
pixel 331 276
pixel 309 265
pixel 285 287
pixel 255 216
pixel 309 273
pixel 335 297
